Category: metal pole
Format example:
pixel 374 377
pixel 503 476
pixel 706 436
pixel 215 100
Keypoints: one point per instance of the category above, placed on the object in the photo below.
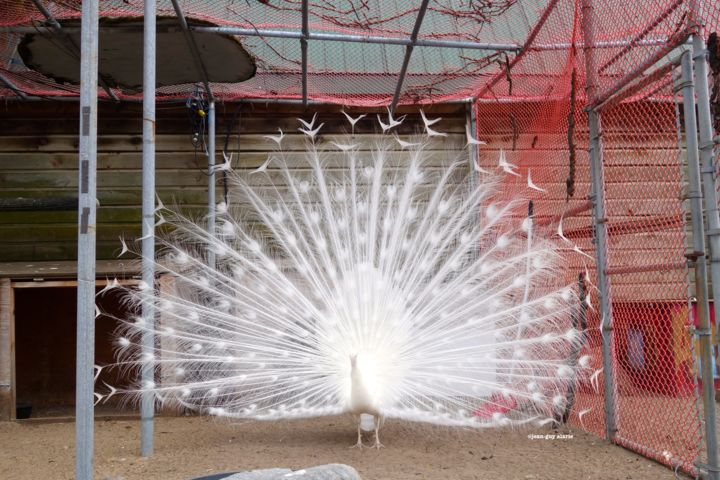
pixel 338 37
pixel 147 407
pixel 698 257
pixel 194 50
pixel 8 83
pixel 408 53
pixel 87 161
pixel 598 198
pixel 304 50
pixel 700 55
pixel 606 316
pixel 471 123
pixel 549 7
pixel 211 179
pixel 707 161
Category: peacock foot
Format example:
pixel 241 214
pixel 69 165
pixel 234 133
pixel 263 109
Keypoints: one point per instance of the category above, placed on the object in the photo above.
pixel 359 445
pixel 378 445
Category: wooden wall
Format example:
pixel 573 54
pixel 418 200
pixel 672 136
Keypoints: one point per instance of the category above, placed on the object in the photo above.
pixel 38 159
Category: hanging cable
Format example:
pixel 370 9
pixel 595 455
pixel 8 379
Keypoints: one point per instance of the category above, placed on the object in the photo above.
pixel 197 110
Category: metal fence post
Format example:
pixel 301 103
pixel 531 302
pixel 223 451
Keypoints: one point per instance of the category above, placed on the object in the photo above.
pixel 147 407
pixel 597 198
pixel 211 179
pixel 707 163
pixel 606 318
pixel 85 360
pixel 698 255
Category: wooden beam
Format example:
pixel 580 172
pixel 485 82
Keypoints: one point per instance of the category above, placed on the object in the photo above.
pixel 68 283
pixel 7 351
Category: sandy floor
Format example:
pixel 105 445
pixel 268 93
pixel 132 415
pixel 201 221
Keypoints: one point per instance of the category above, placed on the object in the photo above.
pixel 190 447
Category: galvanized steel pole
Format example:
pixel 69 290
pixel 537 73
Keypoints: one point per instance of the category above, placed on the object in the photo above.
pixel 147 407
pixel 606 316
pixel 695 197
pixel 408 54
pixel 211 179
pixel 85 359
pixel 597 197
pixel 706 148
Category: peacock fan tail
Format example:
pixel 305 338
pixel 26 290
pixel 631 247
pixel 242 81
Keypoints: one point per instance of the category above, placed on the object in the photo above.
pixel 416 280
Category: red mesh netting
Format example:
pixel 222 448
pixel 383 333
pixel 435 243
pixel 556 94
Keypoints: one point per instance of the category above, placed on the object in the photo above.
pixel 628 36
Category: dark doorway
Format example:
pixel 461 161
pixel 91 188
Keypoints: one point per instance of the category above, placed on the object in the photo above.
pixel 45 348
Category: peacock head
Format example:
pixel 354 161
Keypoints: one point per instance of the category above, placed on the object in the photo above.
pixel 353 360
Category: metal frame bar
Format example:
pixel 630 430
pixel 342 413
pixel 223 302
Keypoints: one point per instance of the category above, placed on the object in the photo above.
pixel 321 36
pixel 408 53
pixel 523 50
pixel 598 198
pixel 147 405
pixel 641 35
pixel 649 79
pixel 85 359
pixel 58 30
pixel 11 85
pixel 637 72
pixel 212 213
pixel 347 38
pixel 695 197
pixel 304 50
pixel 194 50
pixel 706 146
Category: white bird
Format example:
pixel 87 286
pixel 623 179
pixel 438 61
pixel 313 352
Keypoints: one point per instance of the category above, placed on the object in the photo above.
pixel 363 403
pixel 532 185
pixel 403 144
pixel 505 165
pixel 264 166
pixel 159 205
pixel 560 231
pixel 581 414
pixel 125 248
pixel 308 126
pixel 594 380
pixel 359 290
pixel 352 120
pixel 109 285
pixel 470 139
pixel 311 133
pixel 429 131
pixel 226 166
pixel 344 146
pixel 392 123
pixel 277 138
pixel 477 167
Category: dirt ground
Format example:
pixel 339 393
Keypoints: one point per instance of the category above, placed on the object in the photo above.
pixel 188 447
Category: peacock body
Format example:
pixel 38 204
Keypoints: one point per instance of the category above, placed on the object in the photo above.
pixel 378 286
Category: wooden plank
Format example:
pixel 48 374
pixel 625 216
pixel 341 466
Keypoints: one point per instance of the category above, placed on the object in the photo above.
pixel 7 351
pixel 71 283
pixel 183 158
pixel 172 143
pixel 103 268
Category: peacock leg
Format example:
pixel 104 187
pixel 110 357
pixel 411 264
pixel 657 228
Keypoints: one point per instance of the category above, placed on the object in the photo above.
pixel 377 445
pixel 359 440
